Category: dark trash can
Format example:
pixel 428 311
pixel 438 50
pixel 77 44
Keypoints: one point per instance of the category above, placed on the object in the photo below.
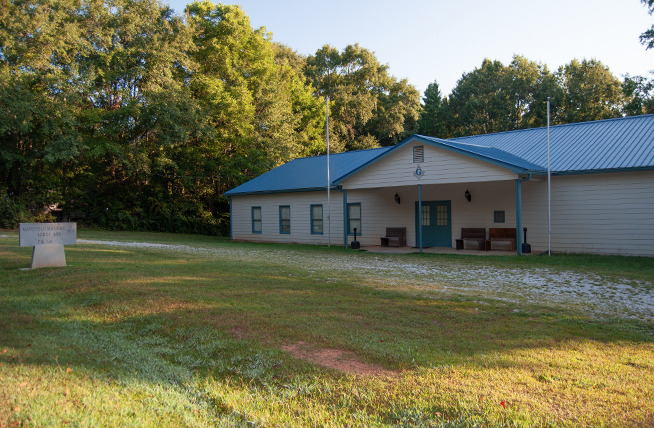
pixel 526 248
pixel 355 245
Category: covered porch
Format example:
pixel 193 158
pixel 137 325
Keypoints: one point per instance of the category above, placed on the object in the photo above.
pixel 438 212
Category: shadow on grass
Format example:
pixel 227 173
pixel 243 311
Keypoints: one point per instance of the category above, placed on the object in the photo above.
pixel 160 319
pixel 272 308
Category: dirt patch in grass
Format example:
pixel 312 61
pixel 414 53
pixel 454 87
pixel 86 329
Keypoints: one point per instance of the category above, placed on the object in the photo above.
pixel 334 359
pixel 238 333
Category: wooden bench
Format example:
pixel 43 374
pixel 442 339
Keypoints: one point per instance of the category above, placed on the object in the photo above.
pixel 395 237
pixel 501 234
pixel 472 234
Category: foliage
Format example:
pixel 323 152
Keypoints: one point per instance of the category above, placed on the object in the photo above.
pixel 368 107
pixel 124 105
pixel 432 121
pixel 11 214
pixel 591 92
pixel 639 91
pixel 647 38
pixel 496 98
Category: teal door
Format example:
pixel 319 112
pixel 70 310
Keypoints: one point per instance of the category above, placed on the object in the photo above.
pixel 436 222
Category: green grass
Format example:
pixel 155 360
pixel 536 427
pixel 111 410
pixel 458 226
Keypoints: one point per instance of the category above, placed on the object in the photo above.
pixel 153 337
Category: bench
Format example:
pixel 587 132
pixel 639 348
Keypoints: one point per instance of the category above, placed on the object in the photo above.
pixel 395 237
pixel 501 234
pixel 472 234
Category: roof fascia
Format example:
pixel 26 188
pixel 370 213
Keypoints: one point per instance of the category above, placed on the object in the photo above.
pixel 268 192
pixel 601 171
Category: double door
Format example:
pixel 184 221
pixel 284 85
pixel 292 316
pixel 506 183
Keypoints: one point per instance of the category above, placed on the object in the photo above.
pixel 435 220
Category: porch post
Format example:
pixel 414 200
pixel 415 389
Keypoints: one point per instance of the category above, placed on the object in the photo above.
pixel 420 216
pixel 518 216
pixel 518 213
pixel 344 218
pixel 231 220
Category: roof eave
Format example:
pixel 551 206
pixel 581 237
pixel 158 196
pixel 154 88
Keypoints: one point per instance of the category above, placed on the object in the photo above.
pixel 606 170
pixel 229 194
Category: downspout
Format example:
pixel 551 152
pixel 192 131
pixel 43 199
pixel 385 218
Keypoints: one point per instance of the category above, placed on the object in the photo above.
pixel 518 213
pixel 344 216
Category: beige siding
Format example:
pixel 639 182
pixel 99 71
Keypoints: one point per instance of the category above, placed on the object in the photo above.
pixel 593 213
pixel 378 211
pixel 440 166
pixel 300 204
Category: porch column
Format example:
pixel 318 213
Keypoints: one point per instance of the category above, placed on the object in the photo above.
pixel 231 220
pixel 518 213
pixel 344 218
pixel 420 216
pixel 518 217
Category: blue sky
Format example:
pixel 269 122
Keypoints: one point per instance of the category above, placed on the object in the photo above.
pixel 424 41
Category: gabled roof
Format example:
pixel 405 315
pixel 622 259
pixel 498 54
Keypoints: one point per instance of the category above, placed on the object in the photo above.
pixel 305 174
pixel 622 144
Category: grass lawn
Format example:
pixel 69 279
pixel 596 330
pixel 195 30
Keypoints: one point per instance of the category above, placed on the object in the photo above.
pixel 200 331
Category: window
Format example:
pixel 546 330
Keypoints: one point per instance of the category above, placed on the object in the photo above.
pixel 256 219
pixel 354 218
pixel 418 154
pixel 499 216
pixel 284 219
pixel 316 219
pixel 441 215
pixel 425 216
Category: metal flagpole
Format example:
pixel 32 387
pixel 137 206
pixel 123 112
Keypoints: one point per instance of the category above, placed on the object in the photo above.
pixel 329 207
pixel 549 185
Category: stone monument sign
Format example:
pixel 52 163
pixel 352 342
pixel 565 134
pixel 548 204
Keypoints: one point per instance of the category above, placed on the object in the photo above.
pixel 48 240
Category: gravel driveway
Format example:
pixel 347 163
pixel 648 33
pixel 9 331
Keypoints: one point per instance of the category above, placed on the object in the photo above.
pixel 587 293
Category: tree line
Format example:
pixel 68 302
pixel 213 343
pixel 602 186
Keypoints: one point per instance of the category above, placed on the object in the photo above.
pixel 128 116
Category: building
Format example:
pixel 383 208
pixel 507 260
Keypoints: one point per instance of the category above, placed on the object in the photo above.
pixel 602 190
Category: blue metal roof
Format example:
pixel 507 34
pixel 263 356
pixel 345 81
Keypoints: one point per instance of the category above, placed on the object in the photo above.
pixel 602 145
pixel 620 144
pixel 305 174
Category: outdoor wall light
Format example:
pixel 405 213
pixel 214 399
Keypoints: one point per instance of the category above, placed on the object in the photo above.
pixel 397 199
pixel 468 197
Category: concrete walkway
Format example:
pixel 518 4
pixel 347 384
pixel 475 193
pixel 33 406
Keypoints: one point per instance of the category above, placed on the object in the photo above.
pixel 435 250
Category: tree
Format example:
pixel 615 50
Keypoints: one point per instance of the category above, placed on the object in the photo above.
pixel 431 120
pixel 591 92
pixel 368 107
pixel 647 38
pixel 639 93
pixel 261 112
pixel 481 103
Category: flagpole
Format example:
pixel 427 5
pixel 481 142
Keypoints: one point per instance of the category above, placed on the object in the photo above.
pixel 549 185
pixel 329 207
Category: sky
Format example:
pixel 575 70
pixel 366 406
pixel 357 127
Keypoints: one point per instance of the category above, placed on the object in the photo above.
pixel 425 41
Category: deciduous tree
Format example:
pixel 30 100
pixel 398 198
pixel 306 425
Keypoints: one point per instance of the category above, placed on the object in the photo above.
pixel 591 92
pixel 368 106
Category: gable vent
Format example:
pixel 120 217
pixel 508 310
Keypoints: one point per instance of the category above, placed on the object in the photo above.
pixel 418 154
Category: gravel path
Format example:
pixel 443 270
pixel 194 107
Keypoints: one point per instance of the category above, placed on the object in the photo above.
pixel 587 293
